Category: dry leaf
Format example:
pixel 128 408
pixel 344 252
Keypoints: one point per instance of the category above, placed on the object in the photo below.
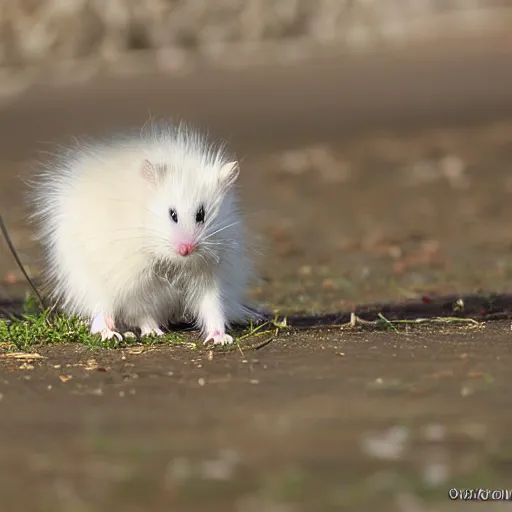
pixel 135 351
pixel 418 390
pixel 65 378
pixel 91 365
pixel 475 375
pixel 21 355
pixel 442 374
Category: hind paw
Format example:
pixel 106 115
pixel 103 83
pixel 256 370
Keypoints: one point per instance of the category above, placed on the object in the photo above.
pixel 151 331
pixel 149 327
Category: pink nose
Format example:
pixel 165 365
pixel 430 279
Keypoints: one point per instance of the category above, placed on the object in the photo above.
pixel 186 248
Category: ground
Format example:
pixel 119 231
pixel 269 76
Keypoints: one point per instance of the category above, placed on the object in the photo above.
pixel 410 207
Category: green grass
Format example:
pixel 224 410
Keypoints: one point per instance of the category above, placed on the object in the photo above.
pixel 38 326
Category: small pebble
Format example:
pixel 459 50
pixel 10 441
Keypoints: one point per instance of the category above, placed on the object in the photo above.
pixel 305 270
pixel 179 469
pixel 436 473
pixel 10 278
pixel 434 432
pixel 466 391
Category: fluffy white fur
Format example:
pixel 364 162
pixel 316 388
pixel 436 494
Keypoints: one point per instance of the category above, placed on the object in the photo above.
pixel 111 247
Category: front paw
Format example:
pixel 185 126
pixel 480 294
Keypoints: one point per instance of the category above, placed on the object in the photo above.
pixel 108 334
pixel 104 326
pixel 219 338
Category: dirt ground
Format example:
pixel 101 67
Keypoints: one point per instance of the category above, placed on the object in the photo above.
pixel 380 180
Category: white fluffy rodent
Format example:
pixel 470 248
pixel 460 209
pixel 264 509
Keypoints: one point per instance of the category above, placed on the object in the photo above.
pixel 144 230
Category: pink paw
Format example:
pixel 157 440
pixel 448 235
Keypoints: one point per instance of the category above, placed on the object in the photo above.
pixel 109 322
pixel 107 334
pixel 219 338
pixel 104 326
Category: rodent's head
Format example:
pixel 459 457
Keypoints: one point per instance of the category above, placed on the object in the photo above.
pixel 190 211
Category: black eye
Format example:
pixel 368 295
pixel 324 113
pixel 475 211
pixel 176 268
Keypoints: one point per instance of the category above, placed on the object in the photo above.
pixel 200 215
pixel 174 215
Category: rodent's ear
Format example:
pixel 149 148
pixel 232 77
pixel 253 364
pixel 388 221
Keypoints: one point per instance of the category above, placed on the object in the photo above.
pixel 229 173
pixel 148 172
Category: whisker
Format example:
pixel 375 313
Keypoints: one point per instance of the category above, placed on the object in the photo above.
pixel 221 229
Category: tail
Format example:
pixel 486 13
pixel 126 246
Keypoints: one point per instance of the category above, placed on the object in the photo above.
pixel 14 253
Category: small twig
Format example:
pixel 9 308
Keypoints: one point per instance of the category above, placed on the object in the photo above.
pixel 239 348
pixel 353 322
pixel 264 344
pixel 257 331
pixel 440 320
pixel 18 261
pixel 387 322
pixel 356 320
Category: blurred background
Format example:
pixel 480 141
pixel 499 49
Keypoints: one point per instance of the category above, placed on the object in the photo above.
pixel 376 146
pixel 310 95
pixel 51 32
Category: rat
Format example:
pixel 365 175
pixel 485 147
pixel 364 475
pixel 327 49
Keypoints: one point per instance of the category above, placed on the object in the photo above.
pixel 142 230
